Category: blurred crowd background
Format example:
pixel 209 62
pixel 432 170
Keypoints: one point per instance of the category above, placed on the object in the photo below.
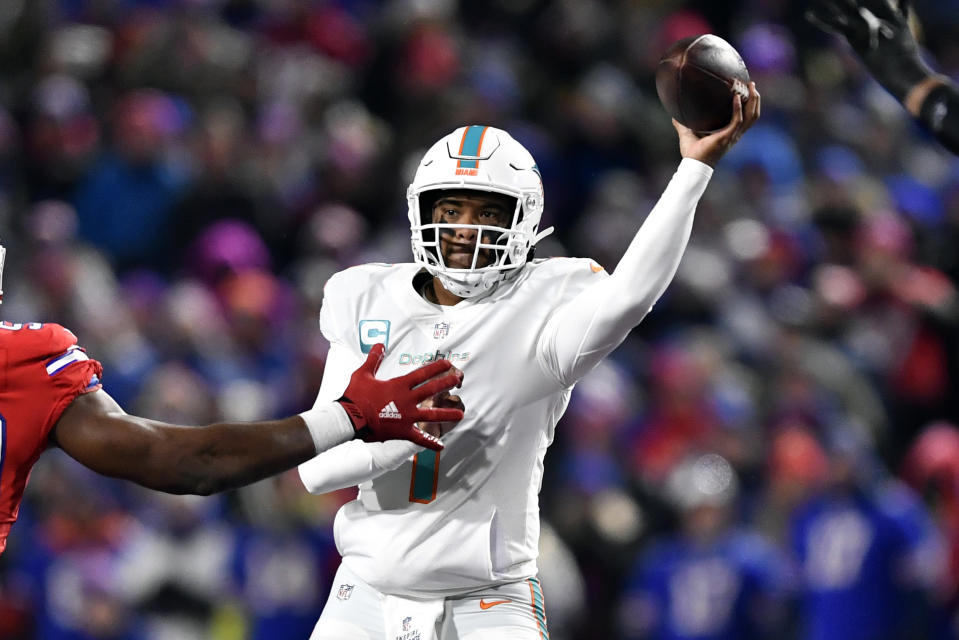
pixel 771 454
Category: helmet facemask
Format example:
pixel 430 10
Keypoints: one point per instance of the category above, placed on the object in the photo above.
pixel 497 164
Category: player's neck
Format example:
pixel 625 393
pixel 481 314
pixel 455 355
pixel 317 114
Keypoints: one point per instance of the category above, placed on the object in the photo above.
pixel 433 291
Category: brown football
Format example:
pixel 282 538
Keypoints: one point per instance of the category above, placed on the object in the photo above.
pixel 695 79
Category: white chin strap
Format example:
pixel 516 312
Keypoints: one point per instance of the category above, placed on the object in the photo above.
pixel 542 234
pixel 470 285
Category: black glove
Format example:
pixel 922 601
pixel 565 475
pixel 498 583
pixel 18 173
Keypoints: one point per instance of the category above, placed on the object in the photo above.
pixel 878 30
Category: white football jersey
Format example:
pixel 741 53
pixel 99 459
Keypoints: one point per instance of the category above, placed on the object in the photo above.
pixel 467 517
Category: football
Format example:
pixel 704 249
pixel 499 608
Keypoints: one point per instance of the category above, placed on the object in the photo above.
pixel 695 79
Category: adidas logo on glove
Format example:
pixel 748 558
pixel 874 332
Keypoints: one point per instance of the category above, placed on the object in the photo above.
pixel 391 411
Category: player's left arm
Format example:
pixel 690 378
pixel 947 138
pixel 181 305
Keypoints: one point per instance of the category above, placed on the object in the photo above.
pixel 355 462
pixel 350 463
pixel 598 319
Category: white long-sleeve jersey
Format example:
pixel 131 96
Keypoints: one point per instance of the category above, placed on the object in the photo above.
pixel 433 525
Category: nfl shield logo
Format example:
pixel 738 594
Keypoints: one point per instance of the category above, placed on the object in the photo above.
pixel 346 590
pixel 406 623
pixel 441 330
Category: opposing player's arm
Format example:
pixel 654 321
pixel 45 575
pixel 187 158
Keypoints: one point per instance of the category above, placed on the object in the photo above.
pixel 179 459
pixel 600 317
pixel 203 460
pixel 879 32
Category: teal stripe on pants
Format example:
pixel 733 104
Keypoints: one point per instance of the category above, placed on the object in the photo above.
pixel 539 608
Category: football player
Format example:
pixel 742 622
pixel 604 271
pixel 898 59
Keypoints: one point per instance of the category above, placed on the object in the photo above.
pixel 868 553
pixel 878 30
pixel 463 525
pixel 51 395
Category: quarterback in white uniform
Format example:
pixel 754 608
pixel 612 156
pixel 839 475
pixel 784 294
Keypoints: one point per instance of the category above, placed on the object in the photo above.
pixel 463 525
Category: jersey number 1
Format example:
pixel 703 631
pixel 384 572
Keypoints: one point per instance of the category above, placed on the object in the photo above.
pixel 426 472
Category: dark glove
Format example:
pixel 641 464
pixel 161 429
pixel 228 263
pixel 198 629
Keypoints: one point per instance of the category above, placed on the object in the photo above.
pixel 387 409
pixel 878 31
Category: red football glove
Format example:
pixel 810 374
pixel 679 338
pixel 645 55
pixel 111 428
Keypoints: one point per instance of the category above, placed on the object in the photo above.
pixel 386 409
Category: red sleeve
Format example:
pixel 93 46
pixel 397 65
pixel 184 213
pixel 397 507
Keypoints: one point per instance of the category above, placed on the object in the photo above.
pixel 42 370
pixel 45 370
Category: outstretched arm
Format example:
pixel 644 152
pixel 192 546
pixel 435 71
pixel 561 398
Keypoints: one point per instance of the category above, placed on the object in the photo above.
pixel 598 319
pixel 878 31
pixel 96 431
pixel 179 459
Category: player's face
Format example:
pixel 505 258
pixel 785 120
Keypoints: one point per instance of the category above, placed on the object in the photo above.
pixel 470 207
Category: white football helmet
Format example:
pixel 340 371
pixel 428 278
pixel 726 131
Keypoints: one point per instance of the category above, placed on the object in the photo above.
pixel 482 159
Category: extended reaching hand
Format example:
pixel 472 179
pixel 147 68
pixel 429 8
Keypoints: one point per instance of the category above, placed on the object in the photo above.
pixel 709 149
pixel 388 409
pixel 878 30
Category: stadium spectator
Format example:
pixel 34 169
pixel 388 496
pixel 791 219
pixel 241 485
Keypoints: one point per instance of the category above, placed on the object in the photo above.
pixel 310 118
pixel 868 552
pixel 710 579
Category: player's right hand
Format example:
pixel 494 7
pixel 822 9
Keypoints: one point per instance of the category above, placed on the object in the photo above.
pixel 710 148
pixel 442 399
pixel 389 409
